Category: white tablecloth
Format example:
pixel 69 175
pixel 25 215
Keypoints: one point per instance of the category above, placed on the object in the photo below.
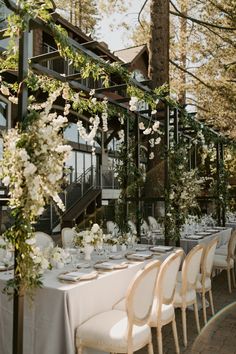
pixel 222 235
pixel 51 320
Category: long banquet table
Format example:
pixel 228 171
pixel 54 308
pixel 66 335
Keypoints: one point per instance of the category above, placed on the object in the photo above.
pixel 58 308
pixel 222 235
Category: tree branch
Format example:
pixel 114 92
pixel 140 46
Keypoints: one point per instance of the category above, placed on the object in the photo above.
pixel 139 14
pixel 191 74
pixel 200 22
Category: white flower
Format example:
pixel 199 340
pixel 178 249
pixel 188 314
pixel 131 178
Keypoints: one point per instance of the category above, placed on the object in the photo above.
pixel 95 228
pixel 141 126
pixel 154 111
pixel 6 181
pixel 147 131
pixel 13 99
pixel 5 90
pixel 92 92
pixel 31 241
pixel 94 100
pixel 30 169
pixel 133 103
pixel 156 125
pixel 152 142
pixel 158 140
pixel 151 156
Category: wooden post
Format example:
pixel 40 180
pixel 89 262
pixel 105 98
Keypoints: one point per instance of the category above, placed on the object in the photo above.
pixel 18 301
pixel 166 182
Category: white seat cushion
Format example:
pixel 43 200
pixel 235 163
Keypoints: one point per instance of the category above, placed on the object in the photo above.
pixel 108 331
pixel 199 283
pixel 178 298
pixel 167 313
pixel 221 261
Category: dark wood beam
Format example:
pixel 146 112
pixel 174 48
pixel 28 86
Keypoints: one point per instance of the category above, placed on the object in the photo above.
pixel 45 57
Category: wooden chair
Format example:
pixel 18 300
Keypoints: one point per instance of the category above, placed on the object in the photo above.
pixel 204 279
pixel 163 311
pixel 185 292
pixel 67 236
pixel 43 240
pixel 226 262
pixel 117 331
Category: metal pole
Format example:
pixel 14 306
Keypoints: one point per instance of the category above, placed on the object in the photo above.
pixel 137 163
pixel 176 125
pixel 18 301
pixel 218 183
pixel 223 216
pixel 126 141
pixel 167 146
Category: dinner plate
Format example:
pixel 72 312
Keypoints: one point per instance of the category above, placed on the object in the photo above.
pixel 116 256
pixel 76 276
pixel 110 266
pixel 203 233
pixel 3 267
pixel 139 256
pixel 194 237
pixel 161 248
pixel 212 230
pixel 141 249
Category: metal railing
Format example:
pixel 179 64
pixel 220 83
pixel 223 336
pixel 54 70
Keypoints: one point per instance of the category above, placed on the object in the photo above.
pixel 109 179
pixel 74 192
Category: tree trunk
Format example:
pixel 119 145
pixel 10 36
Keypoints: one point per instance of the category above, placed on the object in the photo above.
pixel 159 42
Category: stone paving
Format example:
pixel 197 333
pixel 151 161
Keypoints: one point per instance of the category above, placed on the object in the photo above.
pixel 217 337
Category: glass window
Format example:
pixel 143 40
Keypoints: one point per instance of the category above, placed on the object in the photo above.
pixel 3 114
pixel 80 163
pixel 87 161
pixel 71 133
pixel 70 163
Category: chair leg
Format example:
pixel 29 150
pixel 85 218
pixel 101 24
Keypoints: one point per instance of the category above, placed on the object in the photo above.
pixel 150 347
pixel 211 302
pixel 159 340
pixel 233 276
pixel 196 316
pixel 174 329
pixel 184 326
pixel 204 307
pixel 229 280
pixel 80 349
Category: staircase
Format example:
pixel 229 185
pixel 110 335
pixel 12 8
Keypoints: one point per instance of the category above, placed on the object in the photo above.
pixel 81 198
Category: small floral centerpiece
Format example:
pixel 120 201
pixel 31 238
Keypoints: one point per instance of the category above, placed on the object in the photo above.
pixel 111 241
pixel 93 237
pixel 88 239
pixel 58 257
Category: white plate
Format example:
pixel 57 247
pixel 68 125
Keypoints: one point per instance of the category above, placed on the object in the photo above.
pixel 161 248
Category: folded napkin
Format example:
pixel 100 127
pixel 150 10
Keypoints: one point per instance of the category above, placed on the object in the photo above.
pixel 139 256
pixel 76 276
pixel 116 256
pixel 104 265
pixel 194 237
pixel 203 233
pixel 161 248
pixel 212 230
